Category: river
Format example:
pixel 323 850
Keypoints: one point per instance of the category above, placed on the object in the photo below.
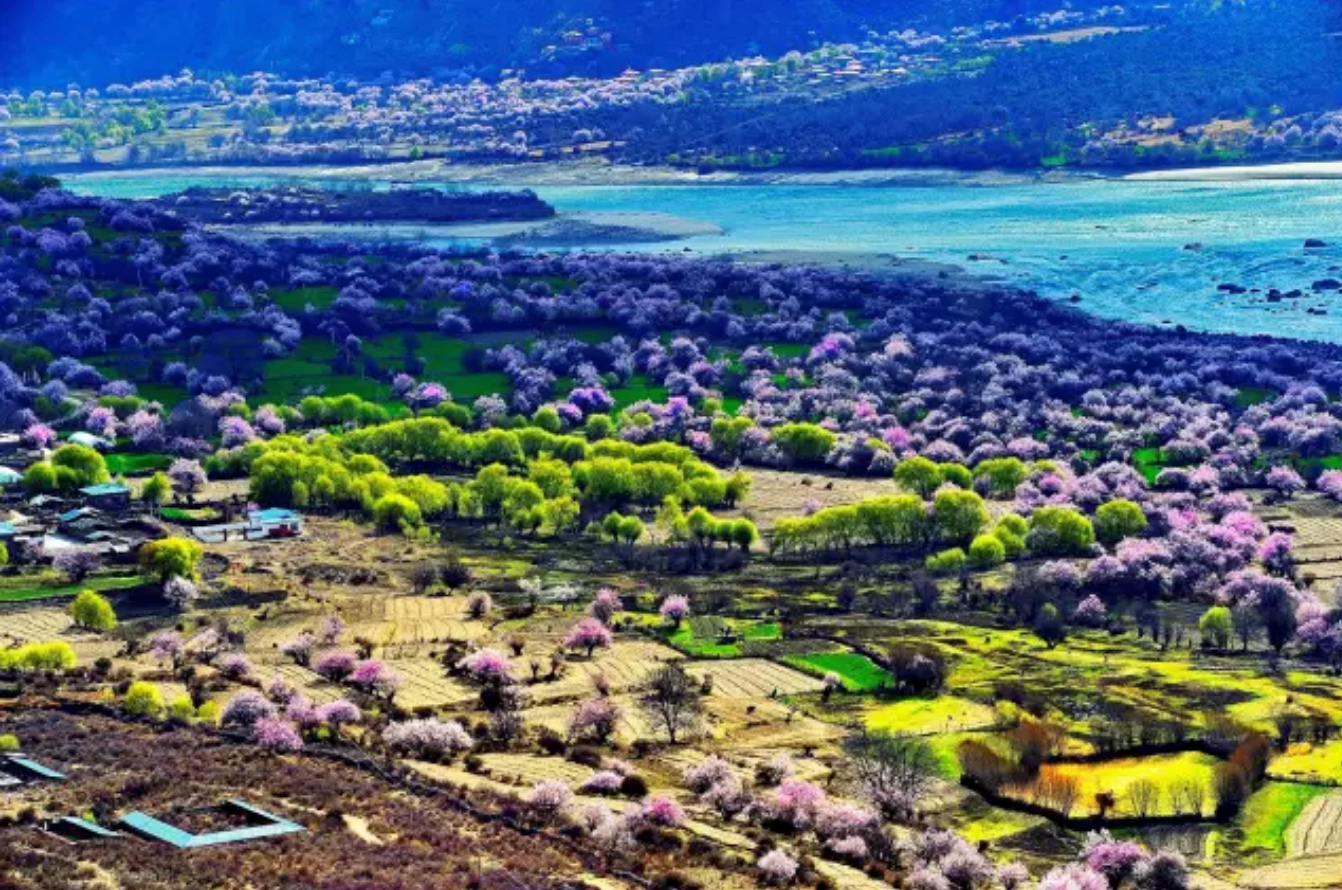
pixel 1149 251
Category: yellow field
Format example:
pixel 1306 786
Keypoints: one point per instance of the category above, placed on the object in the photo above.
pixel 1117 777
pixel 921 716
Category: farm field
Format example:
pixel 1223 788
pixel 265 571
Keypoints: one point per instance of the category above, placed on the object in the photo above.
pixel 1116 777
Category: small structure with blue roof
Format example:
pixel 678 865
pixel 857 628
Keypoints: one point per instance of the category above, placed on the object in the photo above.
pixel 10 477
pixel 77 830
pixel 88 440
pixel 266 825
pixel 274 522
pixel 107 496
pixel 25 769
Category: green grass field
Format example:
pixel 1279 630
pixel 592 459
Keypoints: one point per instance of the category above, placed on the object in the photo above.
pixel 51 585
pixel 137 464
pixel 297 299
pixel 1268 815
pixel 707 637
pixel 858 673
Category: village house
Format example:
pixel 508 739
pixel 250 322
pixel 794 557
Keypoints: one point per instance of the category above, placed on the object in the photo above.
pixel 108 496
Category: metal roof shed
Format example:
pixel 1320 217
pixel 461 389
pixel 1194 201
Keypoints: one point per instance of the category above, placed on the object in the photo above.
pixel 147 826
pixel 26 767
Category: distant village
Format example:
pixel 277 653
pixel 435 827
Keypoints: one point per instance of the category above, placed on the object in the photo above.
pixel 106 521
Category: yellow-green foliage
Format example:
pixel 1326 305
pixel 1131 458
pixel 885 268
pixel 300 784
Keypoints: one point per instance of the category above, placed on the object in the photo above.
pixel 1118 776
pixel 9 742
pixel 208 713
pixel 143 700
pixel 182 710
pixel 92 611
pixel 54 656
pixel 171 557
pixel 1307 762
pixel 923 716
pixel 70 467
pixel 1267 815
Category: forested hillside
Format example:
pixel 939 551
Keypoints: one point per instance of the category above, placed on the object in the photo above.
pixel 58 41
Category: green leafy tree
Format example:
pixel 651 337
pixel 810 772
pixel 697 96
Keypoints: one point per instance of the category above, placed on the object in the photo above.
pixel 547 418
pixel 744 533
pixel 156 490
pixel 1119 519
pixel 987 552
pixel 918 475
pixel 956 475
pixel 562 514
pixel 143 700
pixel 1004 475
pixel 1217 627
pixel 1049 626
pixel 727 434
pixel 553 476
pixel 171 558
pixel 1060 531
pixel 947 562
pixel 91 611
pixel 396 511
pixel 630 529
pixel 804 442
pixel 959 515
pixel 86 465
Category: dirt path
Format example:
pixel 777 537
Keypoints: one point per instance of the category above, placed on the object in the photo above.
pixel 1302 873
pixel 1318 828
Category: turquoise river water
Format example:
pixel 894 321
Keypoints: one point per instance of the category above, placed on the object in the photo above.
pixel 1123 246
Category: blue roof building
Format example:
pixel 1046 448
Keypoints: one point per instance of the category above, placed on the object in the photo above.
pixel 26 768
pixel 270 826
pixel 105 488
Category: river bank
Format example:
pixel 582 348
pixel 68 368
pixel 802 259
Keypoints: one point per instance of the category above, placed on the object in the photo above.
pixel 586 172
pixel 600 172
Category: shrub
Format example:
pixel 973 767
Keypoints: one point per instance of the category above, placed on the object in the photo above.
pixel 1060 531
pixel 56 656
pixel 777 867
pixel 603 782
pixel 277 735
pixel 986 552
pixel 246 708
pixel 947 562
pixel 335 666
pixel 143 700
pixel 549 798
pixel 427 737
pixel 707 773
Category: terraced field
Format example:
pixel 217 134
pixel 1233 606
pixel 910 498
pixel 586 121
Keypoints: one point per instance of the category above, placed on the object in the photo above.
pixel 1318 829
pixel 753 678
pixel 1309 873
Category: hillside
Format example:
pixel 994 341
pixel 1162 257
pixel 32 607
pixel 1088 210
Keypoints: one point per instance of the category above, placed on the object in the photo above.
pixel 67 40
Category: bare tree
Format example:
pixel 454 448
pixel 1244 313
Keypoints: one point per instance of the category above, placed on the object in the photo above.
pixel 1144 797
pixel 894 771
pixel 1186 796
pixel 1058 792
pixel 671 702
